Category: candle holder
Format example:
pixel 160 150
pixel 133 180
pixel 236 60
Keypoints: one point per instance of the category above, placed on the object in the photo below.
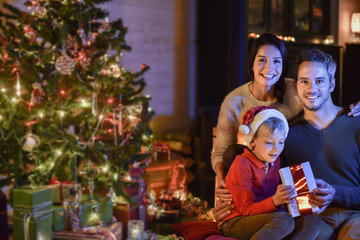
pixel 135 230
pixel 71 205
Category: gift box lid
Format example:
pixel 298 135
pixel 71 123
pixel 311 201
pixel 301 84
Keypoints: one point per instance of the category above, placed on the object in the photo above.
pixel 32 197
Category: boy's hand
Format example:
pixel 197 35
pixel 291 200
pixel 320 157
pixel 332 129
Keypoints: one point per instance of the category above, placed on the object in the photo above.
pixel 282 195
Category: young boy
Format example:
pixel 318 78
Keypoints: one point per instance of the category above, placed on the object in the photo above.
pixel 253 179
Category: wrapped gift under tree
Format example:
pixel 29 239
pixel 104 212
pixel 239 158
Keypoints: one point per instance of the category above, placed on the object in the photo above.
pixel 113 231
pixel 32 213
pixel 60 190
pixel 135 206
pixel 90 213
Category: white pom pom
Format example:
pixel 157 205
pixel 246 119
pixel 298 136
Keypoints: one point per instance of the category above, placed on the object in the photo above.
pixel 244 129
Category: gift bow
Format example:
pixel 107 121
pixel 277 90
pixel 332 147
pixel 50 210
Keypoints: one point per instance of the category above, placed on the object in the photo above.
pixel 162 146
pixel 302 189
pixel 55 181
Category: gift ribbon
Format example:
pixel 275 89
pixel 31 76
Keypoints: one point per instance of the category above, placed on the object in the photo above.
pixel 301 188
pixel 175 183
pixel 35 208
pixel 161 147
pixel 33 215
pixel 55 181
pixel 29 216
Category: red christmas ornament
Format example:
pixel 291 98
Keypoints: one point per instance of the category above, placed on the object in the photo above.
pixel 143 66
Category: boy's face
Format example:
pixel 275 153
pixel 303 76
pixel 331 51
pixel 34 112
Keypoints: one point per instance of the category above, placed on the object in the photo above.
pixel 268 146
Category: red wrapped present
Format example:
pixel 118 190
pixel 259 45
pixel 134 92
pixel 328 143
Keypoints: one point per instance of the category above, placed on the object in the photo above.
pixel 166 175
pixel 301 177
pixel 4 230
pixel 124 212
pixel 160 151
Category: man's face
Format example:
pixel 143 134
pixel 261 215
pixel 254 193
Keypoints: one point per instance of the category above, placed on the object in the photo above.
pixel 313 85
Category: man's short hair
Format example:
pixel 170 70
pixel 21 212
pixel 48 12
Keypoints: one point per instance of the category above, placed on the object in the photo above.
pixel 316 55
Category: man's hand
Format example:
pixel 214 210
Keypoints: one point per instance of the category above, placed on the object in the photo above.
pixel 221 210
pixel 354 109
pixel 324 194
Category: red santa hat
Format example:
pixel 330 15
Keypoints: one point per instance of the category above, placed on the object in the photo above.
pixel 254 117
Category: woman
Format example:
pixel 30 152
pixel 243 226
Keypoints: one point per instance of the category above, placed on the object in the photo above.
pixel 267 86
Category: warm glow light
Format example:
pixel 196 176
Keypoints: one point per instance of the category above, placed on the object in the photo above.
pixel 83 102
pixel 355 23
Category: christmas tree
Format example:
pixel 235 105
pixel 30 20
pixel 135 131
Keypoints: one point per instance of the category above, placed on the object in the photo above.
pixel 66 102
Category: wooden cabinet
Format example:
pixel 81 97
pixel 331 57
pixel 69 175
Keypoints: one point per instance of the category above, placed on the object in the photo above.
pixel 305 20
pixel 351 80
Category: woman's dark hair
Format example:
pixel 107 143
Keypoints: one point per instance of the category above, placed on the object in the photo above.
pixel 267 39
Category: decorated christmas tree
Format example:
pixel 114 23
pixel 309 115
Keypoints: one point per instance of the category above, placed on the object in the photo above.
pixel 68 107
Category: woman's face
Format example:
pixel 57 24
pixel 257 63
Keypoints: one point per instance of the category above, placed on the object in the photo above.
pixel 267 66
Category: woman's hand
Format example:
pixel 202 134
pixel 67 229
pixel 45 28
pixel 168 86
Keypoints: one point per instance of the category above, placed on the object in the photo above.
pixel 354 109
pixel 223 205
pixel 221 210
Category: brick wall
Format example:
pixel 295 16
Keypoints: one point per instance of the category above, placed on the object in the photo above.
pixel 162 35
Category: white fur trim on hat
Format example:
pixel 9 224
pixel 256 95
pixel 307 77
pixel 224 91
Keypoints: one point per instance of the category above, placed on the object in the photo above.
pixel 259 118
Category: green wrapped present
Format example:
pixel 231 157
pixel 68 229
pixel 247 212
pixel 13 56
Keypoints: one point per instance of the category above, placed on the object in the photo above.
pixel 63 191
pixel 32 197
pixel 59 192
pixel 61 220
pixel 32 213
pixel 91 213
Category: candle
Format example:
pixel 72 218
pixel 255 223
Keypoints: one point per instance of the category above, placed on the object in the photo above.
pixel 135 229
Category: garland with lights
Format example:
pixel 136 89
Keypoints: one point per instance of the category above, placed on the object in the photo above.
pixel 66 101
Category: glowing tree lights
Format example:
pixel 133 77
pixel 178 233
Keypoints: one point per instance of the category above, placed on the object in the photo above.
pixel 65 100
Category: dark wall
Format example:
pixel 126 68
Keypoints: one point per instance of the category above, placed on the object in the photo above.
pixel 222 52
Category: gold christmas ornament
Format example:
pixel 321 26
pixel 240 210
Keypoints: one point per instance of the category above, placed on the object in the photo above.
pixel 65 64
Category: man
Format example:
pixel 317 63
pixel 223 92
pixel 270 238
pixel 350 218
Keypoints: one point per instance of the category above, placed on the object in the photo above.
pixel 330 140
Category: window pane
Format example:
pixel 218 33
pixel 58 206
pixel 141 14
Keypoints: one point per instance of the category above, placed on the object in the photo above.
pixel 256 12
pixel 278 14
pixel 318 16
pixel 302 15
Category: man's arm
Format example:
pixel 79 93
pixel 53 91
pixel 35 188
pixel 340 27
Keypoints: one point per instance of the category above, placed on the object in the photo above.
pixel 347 197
